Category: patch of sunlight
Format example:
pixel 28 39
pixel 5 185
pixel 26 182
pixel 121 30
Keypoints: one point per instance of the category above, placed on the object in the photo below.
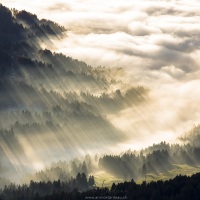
pixel 100 176
pixel 182 169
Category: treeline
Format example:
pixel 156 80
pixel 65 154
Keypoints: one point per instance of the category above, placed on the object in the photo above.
pixel 20 25
pixel 20 94
pixel 156 159
pixel 179 188
pixel 134 166
pixel 41 189
pixel 63 170
pixel 30 20
pixel 17 95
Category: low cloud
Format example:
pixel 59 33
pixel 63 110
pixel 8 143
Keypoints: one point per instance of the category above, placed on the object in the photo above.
pixel 138 29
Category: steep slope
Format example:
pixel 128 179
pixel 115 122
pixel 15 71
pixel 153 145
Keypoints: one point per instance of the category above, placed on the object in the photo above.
pixel 52 106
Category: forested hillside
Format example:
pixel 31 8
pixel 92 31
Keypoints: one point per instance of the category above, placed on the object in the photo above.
pixel 52 106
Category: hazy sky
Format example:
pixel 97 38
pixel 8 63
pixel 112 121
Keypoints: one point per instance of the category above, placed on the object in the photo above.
pixel 156 42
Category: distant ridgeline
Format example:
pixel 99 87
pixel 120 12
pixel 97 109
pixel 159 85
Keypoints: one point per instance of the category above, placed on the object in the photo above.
pixel 50 103
pixel 160 161
pixel 154 162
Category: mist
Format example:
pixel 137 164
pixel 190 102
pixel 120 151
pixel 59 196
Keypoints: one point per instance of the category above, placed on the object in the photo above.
pixel 154 44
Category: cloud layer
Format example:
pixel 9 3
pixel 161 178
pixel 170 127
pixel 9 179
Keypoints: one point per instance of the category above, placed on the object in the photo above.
pixel 156 42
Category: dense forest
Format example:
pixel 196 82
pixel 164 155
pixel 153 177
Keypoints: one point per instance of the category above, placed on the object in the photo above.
pixel 179 188
pixel 161 159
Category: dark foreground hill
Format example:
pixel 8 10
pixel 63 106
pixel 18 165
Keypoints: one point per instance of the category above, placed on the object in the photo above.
pixel 179 188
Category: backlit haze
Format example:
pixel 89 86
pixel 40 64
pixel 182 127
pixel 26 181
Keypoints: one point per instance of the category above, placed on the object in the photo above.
pixel 157 43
